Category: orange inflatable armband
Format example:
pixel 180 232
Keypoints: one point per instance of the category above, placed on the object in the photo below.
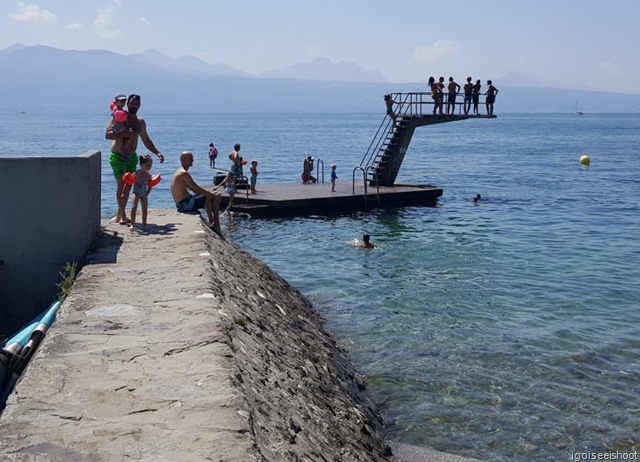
pixel 129 178
pixel 155 179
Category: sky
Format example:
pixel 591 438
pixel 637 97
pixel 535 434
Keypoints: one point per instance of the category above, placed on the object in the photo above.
pixel 579 44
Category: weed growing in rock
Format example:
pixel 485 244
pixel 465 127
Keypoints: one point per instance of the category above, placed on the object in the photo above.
pixel 68 274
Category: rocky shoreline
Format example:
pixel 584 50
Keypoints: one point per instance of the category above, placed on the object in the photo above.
pixel 303 399
pixel 303 396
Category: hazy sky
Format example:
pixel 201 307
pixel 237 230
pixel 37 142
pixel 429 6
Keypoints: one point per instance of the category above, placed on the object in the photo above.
pixel 566 43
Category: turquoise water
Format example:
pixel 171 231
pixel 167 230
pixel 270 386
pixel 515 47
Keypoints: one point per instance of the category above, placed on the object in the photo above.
pixel 506 330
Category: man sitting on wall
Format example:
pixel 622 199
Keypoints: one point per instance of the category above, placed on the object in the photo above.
pixel 182 182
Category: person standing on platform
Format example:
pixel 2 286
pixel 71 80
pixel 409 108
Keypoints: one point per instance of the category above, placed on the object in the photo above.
pixel 491 93
pixel 236 161
pixel 476 96
pixel 453 88
pixel 439 88
pixel 434 93
pixel 121 162
pixel 213 155
pixel 254 175
pixel 468 93
pixel 141 190
pixel 334 177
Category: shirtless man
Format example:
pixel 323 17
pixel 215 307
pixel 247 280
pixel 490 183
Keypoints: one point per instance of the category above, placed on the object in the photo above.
pixel 236 160
pixel 491 93
pixel 468 92
pixel 453 88
pixel 127 162
pixel 475 95
pixel 182 182
pixel 439 87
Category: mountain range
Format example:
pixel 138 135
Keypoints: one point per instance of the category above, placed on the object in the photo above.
pixel 45 79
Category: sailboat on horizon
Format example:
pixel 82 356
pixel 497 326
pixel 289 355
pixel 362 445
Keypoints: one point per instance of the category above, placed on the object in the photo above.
pixel 576 112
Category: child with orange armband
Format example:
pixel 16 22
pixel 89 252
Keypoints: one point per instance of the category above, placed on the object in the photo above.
pixel 142 185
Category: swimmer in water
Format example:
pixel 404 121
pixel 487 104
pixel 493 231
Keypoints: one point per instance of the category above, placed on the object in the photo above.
pixel 365 244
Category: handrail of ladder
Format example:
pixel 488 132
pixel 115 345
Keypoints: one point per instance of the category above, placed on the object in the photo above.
pixel 245 182
pixel 408 104
pixel 364 182
pixel 375 178
pixel 353 179
pixel 318 162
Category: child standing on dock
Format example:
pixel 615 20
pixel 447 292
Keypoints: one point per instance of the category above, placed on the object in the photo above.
pixel 334 177
pixel 213 155
pixel 229 183
pixel 141 190
pixel 254 175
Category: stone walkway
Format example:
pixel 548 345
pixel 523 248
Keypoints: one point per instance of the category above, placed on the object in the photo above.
pixel 137 364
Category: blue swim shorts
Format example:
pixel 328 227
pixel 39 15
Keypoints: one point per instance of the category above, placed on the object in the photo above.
pixel 191 204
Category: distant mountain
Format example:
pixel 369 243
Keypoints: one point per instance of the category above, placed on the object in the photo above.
pixel 42 79
pixel 325 69
pixel 186 64
pixel 13 48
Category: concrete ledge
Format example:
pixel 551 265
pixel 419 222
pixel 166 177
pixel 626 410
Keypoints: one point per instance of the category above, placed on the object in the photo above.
pixel 51 215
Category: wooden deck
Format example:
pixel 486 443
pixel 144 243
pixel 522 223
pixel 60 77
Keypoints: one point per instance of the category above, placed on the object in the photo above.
pixel 311 199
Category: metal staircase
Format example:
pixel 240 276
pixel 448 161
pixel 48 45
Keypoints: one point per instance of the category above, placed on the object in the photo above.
pixel 383 159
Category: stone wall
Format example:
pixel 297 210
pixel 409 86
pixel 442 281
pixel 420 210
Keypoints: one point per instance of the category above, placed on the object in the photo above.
pixel 303 399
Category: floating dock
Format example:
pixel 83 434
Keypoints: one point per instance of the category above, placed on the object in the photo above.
pixel 309 199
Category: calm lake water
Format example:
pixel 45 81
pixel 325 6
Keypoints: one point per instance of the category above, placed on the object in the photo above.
pixel 506 330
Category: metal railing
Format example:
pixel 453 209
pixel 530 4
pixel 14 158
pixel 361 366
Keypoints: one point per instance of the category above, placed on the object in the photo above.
pixel 411 105
pixel 319 162
pixel 245 183
pixel 364 180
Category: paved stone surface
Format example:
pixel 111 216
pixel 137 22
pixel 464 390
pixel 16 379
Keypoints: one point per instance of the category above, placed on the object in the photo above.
pixel 175 345
pixel 137 364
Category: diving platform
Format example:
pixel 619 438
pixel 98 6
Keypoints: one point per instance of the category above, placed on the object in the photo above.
pixel 373 180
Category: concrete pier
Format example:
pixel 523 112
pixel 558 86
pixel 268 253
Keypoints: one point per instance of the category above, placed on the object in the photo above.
pixel 175 345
